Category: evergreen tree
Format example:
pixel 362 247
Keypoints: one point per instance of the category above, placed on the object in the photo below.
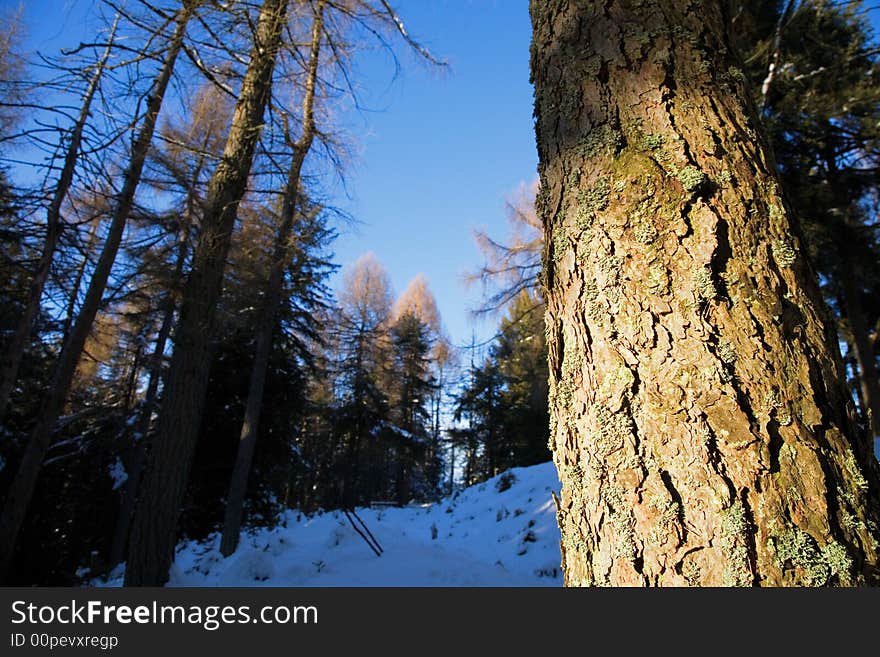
pixel 482 435
pixel 520 351
pixel 410 392
pixel 821 108
pixel 504 403
pixel 362 338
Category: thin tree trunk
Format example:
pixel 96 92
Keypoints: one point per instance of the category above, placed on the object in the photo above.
pixel 451 468
pixel 139 448
pixel 22 488
pixel 776 52
pixel 18 343
pixel 70 314
pixel 869 387
pixel 700 420
pixel 272 302
pixel 155 522
pixel 132 385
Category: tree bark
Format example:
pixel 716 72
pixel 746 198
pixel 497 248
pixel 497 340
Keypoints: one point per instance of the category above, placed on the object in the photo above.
pixel 272 301
pixel 22 488
pixel 700 420
pixel 155 522
pixel 18 343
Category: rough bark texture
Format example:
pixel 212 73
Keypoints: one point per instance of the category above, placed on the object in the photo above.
pixel 271 302
pixel 700 423
pixel 155 522
pixel 21 491
pixel 18 343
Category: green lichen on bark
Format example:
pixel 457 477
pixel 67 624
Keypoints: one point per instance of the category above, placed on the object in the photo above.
pixel 603 139
pixel 735 531
pixel 703 284
pixel 797 552
pixel 784 253
pixel 691 178
pixel 596 198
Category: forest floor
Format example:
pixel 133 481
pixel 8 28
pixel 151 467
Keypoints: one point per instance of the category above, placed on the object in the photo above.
pixel 501 532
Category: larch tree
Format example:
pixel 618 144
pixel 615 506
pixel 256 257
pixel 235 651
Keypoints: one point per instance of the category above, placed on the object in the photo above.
pixel 418 302
pixel 154 527
pixel 11 68
pixel 281 254
pixel 702 429
pixel 15 349
pixel 187 155
pixel 22 489
pixel 363 356
pixel 511 266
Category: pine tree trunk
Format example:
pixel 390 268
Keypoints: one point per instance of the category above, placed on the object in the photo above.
pixel 22 488
pixel 271 302
pixel 700 421
pixel 155 522
pixel 19 341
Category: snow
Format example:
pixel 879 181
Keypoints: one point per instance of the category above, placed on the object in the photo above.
pixel 484 537
pixel 118 474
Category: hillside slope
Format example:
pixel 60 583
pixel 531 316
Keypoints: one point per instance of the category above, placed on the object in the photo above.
pixel 499 533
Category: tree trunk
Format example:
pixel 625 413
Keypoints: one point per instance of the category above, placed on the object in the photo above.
pixel 271 302
pixel 869 386
pixel 155 522
pixel 70 312
pixel 700 421
pixel 142 430
pixel 140 440
pixel 20 338
pixel 22 488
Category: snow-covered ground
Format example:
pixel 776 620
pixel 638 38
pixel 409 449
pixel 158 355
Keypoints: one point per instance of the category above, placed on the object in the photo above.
pixel 486 535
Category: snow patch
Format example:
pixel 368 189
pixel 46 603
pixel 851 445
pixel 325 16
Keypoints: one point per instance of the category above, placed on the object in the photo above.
pixel 118 474
pixel 502 532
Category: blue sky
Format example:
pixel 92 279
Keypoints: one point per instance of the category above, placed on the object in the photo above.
pixel 437 151
pixel 446 149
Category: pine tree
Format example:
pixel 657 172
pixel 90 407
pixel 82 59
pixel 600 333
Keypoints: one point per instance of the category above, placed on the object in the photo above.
pixel 411 384
pixel 520 351
pixel 699 419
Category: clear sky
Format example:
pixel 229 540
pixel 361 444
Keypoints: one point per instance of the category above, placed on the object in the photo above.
pixel 437 151
pixel 445 150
